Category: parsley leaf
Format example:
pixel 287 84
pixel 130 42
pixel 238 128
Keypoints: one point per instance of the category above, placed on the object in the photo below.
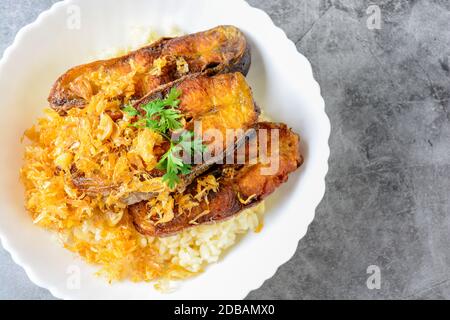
pixel 162 115
pixel 189 144
pixel 130 110
pixel 175 165
pixel 172 98
pixel 171 179
pixel 169 120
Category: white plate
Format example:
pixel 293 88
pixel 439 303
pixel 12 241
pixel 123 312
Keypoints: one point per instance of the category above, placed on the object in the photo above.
pixel 283 86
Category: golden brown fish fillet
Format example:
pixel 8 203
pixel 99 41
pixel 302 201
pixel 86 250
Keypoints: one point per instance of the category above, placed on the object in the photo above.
pixel 221 49
pixel 219 102
pixel 241 190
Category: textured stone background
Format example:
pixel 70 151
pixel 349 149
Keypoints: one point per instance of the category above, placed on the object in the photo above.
pixel 387 202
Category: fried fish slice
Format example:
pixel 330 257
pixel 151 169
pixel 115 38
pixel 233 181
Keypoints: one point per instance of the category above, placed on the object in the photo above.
pixel 221 49
pixel 245 188
pixel 221 102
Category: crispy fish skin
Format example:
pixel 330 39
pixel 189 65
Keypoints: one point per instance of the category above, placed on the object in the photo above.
pixel 219 102
pixel 221 49
pixel 245 189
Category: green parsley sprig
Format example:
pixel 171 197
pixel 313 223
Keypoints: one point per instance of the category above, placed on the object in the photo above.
pixel 171 161
pixel 163 115
pixel 160 115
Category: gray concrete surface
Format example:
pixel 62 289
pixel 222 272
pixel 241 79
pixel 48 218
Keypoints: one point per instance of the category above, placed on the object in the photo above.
pixel 387 201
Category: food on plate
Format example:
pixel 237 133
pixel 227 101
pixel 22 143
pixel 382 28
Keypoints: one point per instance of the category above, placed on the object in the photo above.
pixel 221 102
pixel 130 77
pixel 152 164
pixel 235 187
